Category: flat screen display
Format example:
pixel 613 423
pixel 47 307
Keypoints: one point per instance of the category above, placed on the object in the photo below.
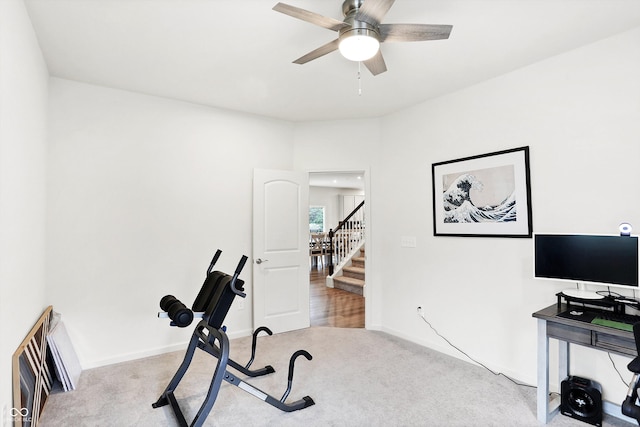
pixel 598 259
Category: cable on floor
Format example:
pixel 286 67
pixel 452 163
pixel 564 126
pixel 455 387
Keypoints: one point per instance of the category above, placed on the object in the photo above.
pixel 467 355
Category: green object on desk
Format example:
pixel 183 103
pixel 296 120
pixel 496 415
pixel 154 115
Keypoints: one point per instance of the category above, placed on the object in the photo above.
pixel 612 324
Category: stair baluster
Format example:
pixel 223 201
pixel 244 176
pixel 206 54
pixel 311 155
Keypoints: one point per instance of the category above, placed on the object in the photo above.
pixel 346 237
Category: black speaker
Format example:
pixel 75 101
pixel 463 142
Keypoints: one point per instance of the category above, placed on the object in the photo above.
pixel 582 400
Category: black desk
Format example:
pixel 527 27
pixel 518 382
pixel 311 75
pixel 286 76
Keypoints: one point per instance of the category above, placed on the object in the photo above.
pixel 566 331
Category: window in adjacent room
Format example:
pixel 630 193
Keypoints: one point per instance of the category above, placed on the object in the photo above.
pixel 316 219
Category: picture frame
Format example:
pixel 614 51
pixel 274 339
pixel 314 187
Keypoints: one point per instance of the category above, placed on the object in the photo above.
pixel 33 374
pixel 487 195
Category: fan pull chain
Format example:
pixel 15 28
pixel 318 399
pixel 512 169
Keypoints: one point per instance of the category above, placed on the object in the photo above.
pixel 359 80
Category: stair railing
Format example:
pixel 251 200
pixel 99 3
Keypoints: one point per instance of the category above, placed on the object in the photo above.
pixel 347 235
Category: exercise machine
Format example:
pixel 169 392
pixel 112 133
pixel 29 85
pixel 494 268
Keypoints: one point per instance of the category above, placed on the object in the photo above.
pixel 630 406
pixel 212 305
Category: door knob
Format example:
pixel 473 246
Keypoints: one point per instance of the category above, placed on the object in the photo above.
pixel 260 260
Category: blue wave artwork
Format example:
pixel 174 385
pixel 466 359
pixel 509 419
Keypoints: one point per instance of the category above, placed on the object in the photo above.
pixel 486 195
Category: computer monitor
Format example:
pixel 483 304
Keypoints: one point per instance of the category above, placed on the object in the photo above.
pixel 609 260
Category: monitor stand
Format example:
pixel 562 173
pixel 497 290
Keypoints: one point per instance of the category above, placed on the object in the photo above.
pixel 581 294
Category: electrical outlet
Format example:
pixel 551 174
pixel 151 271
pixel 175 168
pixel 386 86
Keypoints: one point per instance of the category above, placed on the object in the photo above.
pixel 420 312
pixel 240 304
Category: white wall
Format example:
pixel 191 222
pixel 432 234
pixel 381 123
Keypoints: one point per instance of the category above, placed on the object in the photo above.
pixel 143 190
pixel 348 145
pixel 23 107
pixel 579 114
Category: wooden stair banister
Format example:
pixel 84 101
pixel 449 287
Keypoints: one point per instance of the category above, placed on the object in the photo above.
pixel 346 229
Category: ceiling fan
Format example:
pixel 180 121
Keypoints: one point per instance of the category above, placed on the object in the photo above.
pixel 360 33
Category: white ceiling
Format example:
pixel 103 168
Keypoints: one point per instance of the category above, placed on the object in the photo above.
pixel 352 180
pixel 237 54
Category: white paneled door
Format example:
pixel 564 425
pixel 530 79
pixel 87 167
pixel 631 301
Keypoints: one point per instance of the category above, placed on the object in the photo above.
pixel 280 250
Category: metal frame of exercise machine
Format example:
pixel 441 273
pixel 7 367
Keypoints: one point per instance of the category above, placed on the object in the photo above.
pixel 212 304
pixel 630 406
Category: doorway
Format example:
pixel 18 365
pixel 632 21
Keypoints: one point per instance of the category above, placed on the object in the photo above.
pixel 331 195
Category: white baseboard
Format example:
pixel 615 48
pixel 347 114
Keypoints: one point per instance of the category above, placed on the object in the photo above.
pixel 329 282
pixel 449 351
pixel 615 410
pixel 126 357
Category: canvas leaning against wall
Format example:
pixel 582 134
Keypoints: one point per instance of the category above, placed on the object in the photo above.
pixel 486 195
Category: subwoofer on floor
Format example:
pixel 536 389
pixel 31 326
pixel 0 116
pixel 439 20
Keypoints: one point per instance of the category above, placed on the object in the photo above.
pixel 582 399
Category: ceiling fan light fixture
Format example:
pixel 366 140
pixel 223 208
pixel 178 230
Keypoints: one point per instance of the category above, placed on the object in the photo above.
pixel 359 44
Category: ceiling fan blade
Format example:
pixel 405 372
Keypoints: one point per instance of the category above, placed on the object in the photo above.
pixel 413 32
pixel 372 11
pixel 312 17
pixel 317 53
pixel 376 64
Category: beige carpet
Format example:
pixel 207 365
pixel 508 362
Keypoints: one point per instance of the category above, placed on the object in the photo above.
pixel 356 377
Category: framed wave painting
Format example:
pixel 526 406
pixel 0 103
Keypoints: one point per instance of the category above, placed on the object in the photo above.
pixel 488 195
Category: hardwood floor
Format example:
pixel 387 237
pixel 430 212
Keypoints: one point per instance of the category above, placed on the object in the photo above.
pixel 333 307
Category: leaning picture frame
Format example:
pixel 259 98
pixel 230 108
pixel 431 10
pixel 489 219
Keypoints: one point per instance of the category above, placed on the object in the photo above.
pixel 487 195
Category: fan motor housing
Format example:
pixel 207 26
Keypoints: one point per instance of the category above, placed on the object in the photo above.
pixel 359 29
pixel 582 399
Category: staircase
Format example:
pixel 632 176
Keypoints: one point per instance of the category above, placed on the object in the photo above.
pixel 352 279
